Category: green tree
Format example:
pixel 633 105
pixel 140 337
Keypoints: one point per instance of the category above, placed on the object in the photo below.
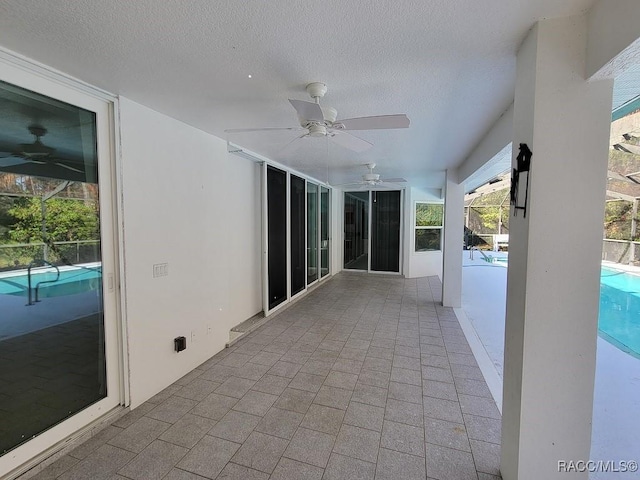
pixel 617 220
pixel 66 220
pixel 429 214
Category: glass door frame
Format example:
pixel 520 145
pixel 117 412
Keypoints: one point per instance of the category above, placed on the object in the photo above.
pixel 317 222
pixel 290 293
pixel 31 76
pixel 265 228
pixel 319 186
pixel 328 247
pixel 369 225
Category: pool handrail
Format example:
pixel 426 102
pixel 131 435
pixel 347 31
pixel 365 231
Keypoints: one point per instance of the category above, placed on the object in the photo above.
pixel 484 256
pixel 34 265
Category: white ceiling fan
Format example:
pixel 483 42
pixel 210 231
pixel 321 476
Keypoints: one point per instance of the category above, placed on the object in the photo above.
pixel 317 121
pixel 371 179
pixel 34 153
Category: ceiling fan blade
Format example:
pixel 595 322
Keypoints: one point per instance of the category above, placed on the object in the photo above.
pixel 308 110
pixel 358 187
pixel 351 142
pixel 44 169
pixel 69 167
pixel 393 180
pixel 389 186
pixel 287 147
pixel 347 184
pixel 244 130
pixel 373 123
pixel 11 160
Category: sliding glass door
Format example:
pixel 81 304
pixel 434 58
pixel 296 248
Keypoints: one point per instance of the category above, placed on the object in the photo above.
pixel 277 236
pixel 356 230
pixel 59 360
pixel 385 231
pixel 312 232
pixel 372 224
pixel 297 234
pixel 324 231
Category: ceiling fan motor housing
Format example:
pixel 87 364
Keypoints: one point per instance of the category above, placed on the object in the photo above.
pixel 36 149
pixel 371 177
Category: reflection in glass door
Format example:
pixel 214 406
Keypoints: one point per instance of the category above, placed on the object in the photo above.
pixel 356 230
pixel 52 330
pixel 312 232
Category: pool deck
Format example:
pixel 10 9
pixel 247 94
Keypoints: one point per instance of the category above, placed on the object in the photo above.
pixel 616 423
pixel 19 319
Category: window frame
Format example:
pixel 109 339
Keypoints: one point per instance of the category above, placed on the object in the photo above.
pixel 417 227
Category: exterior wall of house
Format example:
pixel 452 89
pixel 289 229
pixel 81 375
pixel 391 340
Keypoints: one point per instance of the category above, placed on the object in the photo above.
pixel 419 264
pixel 191 205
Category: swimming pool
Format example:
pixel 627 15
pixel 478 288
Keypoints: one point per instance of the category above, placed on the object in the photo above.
pixel 619 317
pixel 72 280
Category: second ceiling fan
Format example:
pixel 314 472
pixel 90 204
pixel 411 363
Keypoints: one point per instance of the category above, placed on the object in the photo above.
pixel 371 179
pixel 318 121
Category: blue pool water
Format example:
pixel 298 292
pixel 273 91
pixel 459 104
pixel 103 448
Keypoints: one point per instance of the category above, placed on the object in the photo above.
pixel 619 318
pixel 71 281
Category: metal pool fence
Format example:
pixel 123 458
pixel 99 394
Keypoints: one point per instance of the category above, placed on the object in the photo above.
pixel 21 255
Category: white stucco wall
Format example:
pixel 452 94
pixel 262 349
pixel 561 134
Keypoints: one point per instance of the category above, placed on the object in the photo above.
pixel 190 204
pixel 419 264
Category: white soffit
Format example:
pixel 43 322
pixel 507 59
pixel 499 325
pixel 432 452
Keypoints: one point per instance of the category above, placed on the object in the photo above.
pixel 500 163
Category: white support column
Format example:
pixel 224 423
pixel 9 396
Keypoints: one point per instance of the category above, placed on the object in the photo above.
pixel 453 241
pixel 554 255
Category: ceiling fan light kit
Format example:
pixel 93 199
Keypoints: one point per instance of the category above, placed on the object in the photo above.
pixel 371 178
pixel 316 130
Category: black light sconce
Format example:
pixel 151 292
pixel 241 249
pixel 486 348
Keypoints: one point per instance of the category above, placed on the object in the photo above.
pixel 520 175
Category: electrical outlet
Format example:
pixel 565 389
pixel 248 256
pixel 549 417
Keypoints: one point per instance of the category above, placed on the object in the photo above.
pixel 180 343
pixel 160 270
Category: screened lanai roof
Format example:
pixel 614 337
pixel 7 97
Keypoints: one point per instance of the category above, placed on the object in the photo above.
pixel 626 100
pixel 626 93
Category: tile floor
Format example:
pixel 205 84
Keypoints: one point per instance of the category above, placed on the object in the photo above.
pixel 367 377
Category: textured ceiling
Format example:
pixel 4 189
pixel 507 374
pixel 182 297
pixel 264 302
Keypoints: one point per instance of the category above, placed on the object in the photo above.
pixel 448 64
